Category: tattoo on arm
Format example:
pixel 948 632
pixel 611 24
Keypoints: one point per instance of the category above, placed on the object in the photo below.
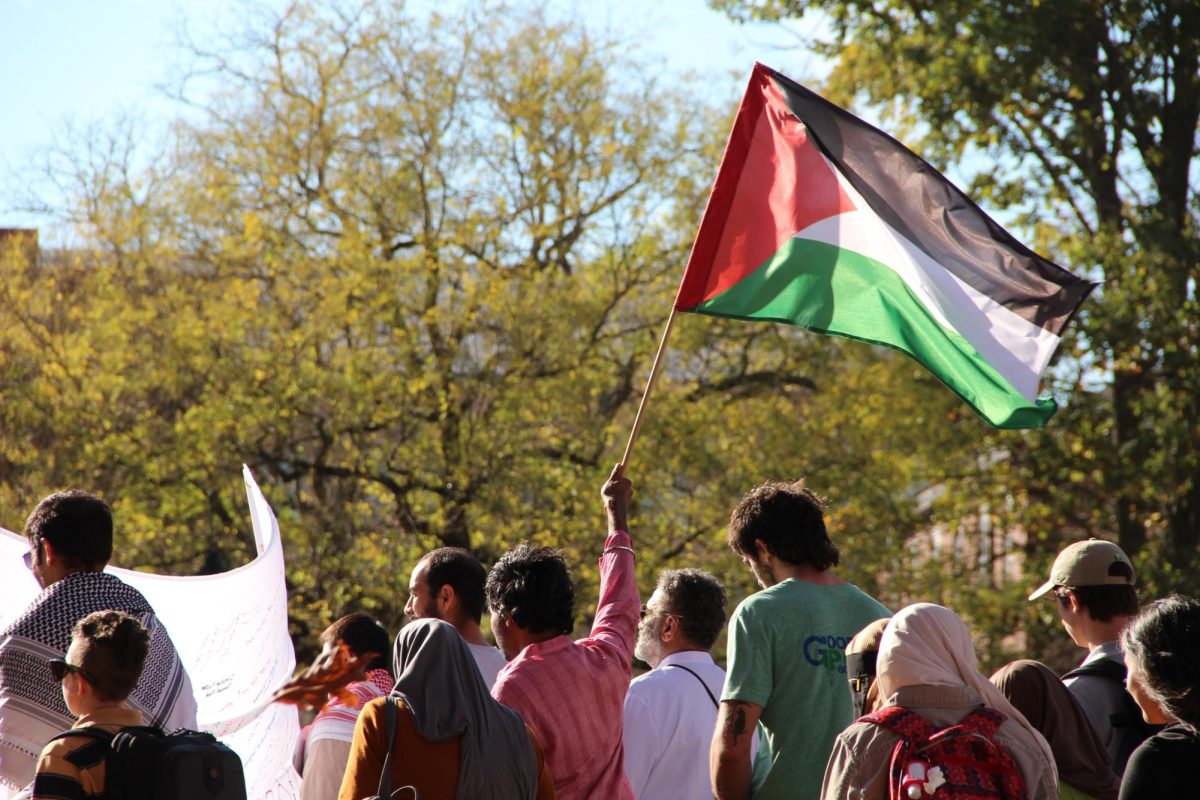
pixel 735 722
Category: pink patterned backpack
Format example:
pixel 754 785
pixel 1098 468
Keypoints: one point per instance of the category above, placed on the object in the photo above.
pixel 961 762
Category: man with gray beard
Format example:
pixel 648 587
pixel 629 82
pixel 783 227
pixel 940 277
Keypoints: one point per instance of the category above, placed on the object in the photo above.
pixel 670 711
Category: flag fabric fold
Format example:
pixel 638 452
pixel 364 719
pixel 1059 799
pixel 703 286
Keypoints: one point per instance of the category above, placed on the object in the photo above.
pixel 817 219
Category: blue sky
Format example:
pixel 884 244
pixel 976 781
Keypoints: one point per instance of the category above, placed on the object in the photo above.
pixel 83 61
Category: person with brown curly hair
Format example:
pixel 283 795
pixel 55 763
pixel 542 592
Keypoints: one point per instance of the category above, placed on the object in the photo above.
pixel 787 663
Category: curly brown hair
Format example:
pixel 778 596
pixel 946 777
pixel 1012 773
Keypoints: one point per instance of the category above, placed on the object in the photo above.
pixel 115 646
pixel 789 519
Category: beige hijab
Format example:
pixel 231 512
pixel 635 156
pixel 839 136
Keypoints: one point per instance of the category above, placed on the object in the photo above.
pixel 928 645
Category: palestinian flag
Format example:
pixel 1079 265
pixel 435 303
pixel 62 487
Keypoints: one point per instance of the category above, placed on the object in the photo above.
pixel 820 220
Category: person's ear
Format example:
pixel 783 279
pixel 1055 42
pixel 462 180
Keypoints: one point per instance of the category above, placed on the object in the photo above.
pixel 49 554
pixel 445 596
pixel 669 628
pixel 762 553
pixel 83 687
pixel 1073 602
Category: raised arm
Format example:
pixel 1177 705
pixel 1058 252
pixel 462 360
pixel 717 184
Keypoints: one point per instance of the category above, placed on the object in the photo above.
pixel 617 612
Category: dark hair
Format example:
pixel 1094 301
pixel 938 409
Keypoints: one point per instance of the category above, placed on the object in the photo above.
pixel 532 585
pixel 1163 642
pixel 788 519
pixel 362 635
pixel 699 599
pixel 114 652
pixel 78 524
pixel 1102 603
pixel 463 572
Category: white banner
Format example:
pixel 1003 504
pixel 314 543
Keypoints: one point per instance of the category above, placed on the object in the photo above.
pixel 231 631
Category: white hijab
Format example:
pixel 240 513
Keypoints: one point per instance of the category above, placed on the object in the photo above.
pixel 927 644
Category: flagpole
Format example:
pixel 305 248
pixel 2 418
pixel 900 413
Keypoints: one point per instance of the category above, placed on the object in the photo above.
pixel 658 358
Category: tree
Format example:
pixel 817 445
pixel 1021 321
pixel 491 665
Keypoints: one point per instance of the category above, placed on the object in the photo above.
pixel 1080 120
pixel 412 270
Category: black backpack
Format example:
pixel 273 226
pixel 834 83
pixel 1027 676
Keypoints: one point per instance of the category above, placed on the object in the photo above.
pixel 1128 722
pixel 145 763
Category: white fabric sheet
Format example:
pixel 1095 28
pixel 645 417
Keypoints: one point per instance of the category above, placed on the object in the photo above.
pixel 231 633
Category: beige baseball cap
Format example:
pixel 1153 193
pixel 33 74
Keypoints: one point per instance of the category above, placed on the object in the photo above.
pixel 1088 563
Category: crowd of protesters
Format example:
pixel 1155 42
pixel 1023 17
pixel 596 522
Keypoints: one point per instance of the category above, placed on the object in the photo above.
pixel 827 693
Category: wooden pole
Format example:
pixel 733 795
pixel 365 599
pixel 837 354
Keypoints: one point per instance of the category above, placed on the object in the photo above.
pixel 658 358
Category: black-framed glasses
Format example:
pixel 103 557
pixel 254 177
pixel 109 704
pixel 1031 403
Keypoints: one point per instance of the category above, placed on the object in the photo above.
pixel 60 667
pixel 650 612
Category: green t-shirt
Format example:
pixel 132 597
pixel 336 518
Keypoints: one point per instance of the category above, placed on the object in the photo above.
pixel 1068 792
pixel 787 654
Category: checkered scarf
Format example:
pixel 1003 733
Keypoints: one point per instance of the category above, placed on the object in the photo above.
pixel 336 720
pixel 31 704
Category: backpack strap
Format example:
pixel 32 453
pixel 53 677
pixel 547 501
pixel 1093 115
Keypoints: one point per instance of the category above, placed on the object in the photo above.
pixel 389 720
pixel 1127 722
pixel 909 725
pixel 707 691
pixel 89 731
pixel 913 730
pixel 1100 668
pixel 984 721
pixel 1130 716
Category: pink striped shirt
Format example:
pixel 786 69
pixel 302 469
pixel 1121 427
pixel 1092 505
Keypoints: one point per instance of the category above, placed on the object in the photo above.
pixel 572 694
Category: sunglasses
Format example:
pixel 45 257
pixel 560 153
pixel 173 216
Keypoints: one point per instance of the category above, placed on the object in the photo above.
pixel 60 667
pixel 649 612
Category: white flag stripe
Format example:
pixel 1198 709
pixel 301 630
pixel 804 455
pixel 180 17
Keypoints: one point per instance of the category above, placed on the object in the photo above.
pixel 1015 347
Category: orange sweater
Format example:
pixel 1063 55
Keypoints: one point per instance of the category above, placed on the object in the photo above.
pixel 430 767
pixel 75 766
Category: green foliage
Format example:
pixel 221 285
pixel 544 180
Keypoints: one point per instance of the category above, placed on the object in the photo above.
pixel 413 271
pixel 1079 121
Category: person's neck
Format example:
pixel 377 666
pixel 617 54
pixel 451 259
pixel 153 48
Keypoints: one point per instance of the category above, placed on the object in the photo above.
pixel 1096 633
pixel 523 638
pixel 92 708
pixel 56 577
pixel 469 630
pixel 672 648
pixel 544 636
pixel 783 570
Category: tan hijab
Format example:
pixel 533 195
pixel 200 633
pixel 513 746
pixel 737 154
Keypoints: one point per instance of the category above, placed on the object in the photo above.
pixel 928 645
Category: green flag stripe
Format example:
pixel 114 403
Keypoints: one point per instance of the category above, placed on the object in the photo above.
pixel 828 289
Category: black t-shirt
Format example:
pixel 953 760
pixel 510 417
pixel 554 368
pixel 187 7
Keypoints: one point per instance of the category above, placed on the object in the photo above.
pixel 1163 766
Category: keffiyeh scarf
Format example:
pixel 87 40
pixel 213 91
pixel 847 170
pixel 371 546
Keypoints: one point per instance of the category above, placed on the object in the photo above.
pixel 31 704
pixel 336 720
